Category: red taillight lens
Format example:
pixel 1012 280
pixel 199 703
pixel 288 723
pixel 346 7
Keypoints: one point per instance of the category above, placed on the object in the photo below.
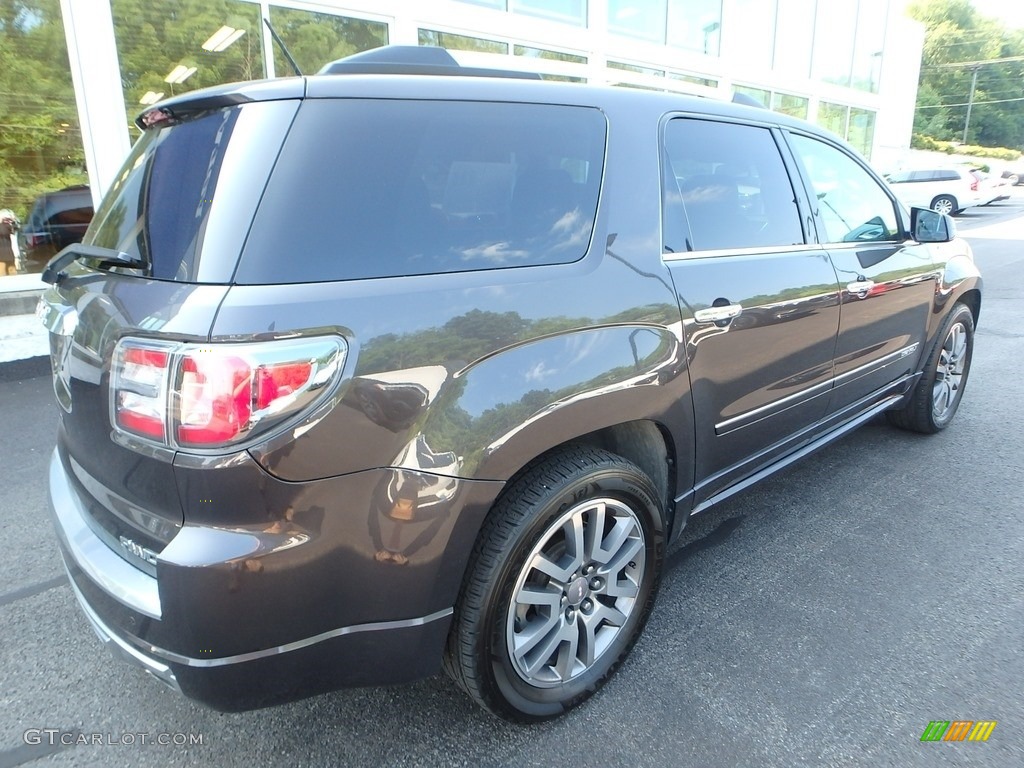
pixel 215 398
pixel 974 186
pixel 274 382
pixel 212 396
pixel 139 400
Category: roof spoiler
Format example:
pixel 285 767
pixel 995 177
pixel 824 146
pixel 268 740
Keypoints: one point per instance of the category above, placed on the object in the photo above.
pixel 413 60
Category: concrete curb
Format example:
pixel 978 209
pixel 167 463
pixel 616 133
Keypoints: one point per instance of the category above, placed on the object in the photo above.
pixel 19 302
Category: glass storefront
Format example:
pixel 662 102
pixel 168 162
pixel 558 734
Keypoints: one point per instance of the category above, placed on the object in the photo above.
pixel 44 200
pixel 794 28
pixel 548 55
pixel 759 95
pixel 832 117
pixel 788 104
pixel 315 39
pixel 455 42
pixel 751 36
pixel 861 130
pixel 634 18
pixel 168 47
pixel 695 25
pixel 870 40
pixel 568 11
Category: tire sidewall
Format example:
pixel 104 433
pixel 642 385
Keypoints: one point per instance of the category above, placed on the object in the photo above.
pixel 508 689
pixel 960 314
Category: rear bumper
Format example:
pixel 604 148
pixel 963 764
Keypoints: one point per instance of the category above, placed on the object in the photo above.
pixel 216 623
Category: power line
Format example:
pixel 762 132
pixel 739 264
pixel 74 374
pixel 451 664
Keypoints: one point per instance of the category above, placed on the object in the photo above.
pixel 975 103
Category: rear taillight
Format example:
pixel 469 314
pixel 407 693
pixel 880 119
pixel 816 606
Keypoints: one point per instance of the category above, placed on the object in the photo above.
pixel 212 396
pixel 974 186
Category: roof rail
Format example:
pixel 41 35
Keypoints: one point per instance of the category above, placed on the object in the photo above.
pixel 413 60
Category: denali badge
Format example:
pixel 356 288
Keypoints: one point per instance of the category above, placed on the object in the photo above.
pixel 138 550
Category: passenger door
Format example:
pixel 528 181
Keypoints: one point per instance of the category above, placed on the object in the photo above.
pixel 886 281
pixel 760 306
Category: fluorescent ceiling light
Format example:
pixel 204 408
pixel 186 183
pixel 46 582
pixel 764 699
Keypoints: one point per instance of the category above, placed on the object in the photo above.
pixel 222 38
pixel 151 97
pixel 179 74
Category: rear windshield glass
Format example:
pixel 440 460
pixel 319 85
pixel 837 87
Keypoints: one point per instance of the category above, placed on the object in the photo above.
pixel 377 188
pixel 186 195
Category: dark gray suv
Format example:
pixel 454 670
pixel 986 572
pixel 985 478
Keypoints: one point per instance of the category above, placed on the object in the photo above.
pixel 361 375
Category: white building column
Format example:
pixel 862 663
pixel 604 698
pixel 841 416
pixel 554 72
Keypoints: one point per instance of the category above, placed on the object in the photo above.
pixel 96 75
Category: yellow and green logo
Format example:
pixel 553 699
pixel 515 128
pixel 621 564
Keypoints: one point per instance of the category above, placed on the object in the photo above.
pixel 958 730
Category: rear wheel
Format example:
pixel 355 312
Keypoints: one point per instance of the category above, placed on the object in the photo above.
pixel 560 584
pixel 944 204
pixel 938 393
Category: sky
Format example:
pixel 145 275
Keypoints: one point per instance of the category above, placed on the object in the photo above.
pixel 1010 12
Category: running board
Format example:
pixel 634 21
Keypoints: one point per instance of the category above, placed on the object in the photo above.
pixel 790 458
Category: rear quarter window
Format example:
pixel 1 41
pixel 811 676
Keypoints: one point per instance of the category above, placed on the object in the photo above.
pixel 380 188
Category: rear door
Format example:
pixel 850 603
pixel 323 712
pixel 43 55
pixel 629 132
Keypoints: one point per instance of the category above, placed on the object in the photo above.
pixel 182 205
pixel 887 282
pixel 760 306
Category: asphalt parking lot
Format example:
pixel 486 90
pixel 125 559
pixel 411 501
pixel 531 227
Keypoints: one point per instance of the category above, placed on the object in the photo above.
pixel 824 617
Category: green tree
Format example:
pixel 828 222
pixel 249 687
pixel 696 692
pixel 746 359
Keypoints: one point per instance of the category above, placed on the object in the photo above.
pixel 955 33
pixel 40 141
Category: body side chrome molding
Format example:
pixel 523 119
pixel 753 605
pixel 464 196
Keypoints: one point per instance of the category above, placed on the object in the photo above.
pixel 806 449
pixel 812 391
pixel 374 626
pixel 775 405
pixel 881 362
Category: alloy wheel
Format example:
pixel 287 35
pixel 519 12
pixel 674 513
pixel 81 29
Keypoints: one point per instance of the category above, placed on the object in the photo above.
pixel 575 592
pixel 949 371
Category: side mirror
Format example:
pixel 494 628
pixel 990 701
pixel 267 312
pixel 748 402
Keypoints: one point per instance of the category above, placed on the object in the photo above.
pixel 928 226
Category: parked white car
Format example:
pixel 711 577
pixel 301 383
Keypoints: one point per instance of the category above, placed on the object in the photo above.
pixel 993 188
pixel 946 190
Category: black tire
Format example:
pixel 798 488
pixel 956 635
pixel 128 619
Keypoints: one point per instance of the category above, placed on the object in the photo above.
pixel 938 392
pixel 491 640
pixel 945 204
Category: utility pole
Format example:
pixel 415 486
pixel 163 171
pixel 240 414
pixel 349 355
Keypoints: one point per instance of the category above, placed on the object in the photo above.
pixel 970 99
pixel 975 66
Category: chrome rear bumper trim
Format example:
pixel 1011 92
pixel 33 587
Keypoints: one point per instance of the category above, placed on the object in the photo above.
pixel 111 573
pixel 121 647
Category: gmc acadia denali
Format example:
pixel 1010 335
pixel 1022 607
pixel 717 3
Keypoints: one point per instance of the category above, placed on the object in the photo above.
pixel 404 366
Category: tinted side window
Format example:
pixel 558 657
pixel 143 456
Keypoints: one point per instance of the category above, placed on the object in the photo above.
pixel 382 188
pixel 852 206
pixel 729 183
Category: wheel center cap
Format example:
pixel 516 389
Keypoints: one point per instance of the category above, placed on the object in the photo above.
pixel 577 591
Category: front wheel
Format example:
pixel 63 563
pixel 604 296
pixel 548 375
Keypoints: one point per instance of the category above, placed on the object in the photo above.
pixel 559 586
pixel 940 389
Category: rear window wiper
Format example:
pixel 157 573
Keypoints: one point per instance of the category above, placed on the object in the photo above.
pixel 54 271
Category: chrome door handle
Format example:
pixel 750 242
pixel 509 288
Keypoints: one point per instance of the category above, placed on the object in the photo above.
pixel 860 286
pixel 718 314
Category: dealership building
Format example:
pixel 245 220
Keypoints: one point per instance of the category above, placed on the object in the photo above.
pixel 851 66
